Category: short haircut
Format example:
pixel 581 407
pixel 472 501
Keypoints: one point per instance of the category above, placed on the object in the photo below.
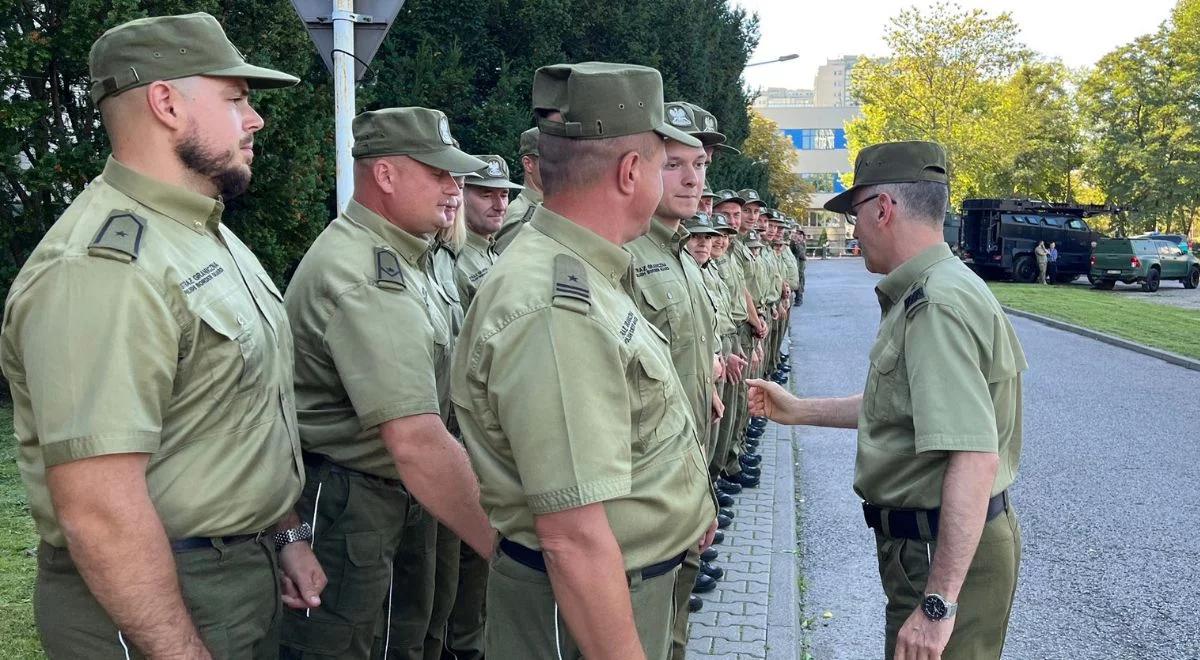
pixel 567 164
pixel 922 201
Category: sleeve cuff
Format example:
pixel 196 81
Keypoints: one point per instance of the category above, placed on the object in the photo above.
pixel 581 495
pixel 949 442
pixel 75 449
pixel 397 411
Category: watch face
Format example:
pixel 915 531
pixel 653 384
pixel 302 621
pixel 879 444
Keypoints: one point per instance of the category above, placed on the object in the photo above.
pixel 934 608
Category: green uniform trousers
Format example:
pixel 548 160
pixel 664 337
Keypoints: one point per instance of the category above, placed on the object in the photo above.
pixel 683 589
pixel 523 621
pixel 445 589
pixel 231 592
pixel 985 601
pixel 464 630
pixel 409 609
pixel 358 523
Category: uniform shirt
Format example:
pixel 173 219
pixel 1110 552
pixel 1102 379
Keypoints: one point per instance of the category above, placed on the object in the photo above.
pixel 373 339
pixel 774 274
pixel 474 261
pixel 791 268
pixel 516 216
pixel 719 292
pixel 945 376
pixel 730 271
pixel 445 280
pixel 567 397
pixel 171 341
pixel 670 292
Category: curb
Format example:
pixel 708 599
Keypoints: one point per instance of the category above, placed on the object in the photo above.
pixel 784 638
pixel 1166 356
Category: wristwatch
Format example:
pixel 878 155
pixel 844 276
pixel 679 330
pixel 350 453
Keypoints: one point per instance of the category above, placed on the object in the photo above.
pixel 937 608
pixel 302 533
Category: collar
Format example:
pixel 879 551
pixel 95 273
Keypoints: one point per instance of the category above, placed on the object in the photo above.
pixel 478 242
pixel 413 248
pixel 534 196
pixel 663 235
pixel 190 209
pixel 896 283
pixel 610 259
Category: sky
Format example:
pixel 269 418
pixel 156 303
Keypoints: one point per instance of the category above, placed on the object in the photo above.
pixel 1078 32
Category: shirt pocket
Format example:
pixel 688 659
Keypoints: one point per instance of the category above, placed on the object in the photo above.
pixel 663 411
pixel 232 349
pixel 664 300
pixel 887 386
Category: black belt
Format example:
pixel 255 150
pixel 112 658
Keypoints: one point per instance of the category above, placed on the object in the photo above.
pixel 200 542
pixel 904 523
pixel 535 560
pixel 317 461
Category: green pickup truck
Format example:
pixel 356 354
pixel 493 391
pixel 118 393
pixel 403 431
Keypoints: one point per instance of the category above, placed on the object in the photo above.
pixel 1145 260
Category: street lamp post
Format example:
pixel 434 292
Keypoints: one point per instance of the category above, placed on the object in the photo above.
pixel 781 58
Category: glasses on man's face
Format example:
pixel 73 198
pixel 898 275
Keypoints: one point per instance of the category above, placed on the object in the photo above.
pixel 854 207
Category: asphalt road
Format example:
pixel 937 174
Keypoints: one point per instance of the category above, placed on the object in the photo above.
pixel 1108 494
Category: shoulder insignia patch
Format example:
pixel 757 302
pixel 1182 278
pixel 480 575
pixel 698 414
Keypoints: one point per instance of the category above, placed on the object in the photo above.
pixel 388 274
pixel 915 300
pixel 119 238
pixel 528 213
pixel 571 290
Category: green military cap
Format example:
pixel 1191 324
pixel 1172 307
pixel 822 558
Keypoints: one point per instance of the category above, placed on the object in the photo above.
pixel 493 175
pixel 419 133
pixel 700 223
pixel 750 196
pixel 775 216
pixel 529 142
pixel 722 224
pixel 893 162
pixel 752 240
pixel 683 116
pixel 707 122
pixel 728 196
pixel 599 100
pixel 168 47
pixel 707 192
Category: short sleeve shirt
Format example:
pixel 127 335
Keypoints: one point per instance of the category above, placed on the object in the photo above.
pixel 373 338
pixel 567 397
pixel 141 324
pixel 945 376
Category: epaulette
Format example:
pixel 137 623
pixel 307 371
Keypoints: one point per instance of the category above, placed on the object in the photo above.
pixel 528 213
pixel 120 238
pixel 388 274
pixel 915 300
pixel 571 290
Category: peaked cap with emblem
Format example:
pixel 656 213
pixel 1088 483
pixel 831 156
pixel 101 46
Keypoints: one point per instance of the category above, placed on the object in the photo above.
pixel 493 175
pixel 893 162
pixel 750 196
pixel 722 224
pixel 169 47
pixel 600 100
pixel 700 223
pixel 529 143
pixel 707 123
pixel 753 240
pixel 728 195
pixel 685 117
pixel 419 133
pixel 707 192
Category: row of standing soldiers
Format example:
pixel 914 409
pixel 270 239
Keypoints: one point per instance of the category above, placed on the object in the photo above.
pixel 290 470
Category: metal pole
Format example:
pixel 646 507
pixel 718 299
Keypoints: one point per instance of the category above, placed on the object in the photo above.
pixel 343 97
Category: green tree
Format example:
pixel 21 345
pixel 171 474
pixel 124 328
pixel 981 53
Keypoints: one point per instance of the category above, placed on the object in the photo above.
pixel 945 81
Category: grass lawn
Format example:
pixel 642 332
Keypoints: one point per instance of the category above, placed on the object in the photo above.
pixel 1161 326
pixel 18 638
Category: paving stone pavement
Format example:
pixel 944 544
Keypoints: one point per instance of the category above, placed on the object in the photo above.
pixel 754 613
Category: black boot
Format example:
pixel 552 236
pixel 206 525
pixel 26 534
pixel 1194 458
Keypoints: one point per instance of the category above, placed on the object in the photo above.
pixel 695 603
pixel 714 572
pixel 709 555
pixel 725 499
pixel 750 460
pixel 704 584
pixel 728 487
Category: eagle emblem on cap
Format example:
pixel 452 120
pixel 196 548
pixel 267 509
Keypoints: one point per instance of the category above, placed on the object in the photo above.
pixel 677 116
pixel 444 130
pixel 752 195
pixel 494 169
pixel 710 124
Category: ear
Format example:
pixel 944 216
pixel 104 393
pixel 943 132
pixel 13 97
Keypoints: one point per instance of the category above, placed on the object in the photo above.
pixel 886 209
pixel 167 104
pixel 384 173
pixel 628 174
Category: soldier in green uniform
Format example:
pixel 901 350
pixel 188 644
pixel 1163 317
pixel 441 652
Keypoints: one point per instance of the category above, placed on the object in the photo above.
pixel 939 423
pixel 521 209
pixel 373 346
pixel 670 292
pixel 584 440
pixel 486 200
pixel 706 200
pixel 150 362
pixel 800 247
